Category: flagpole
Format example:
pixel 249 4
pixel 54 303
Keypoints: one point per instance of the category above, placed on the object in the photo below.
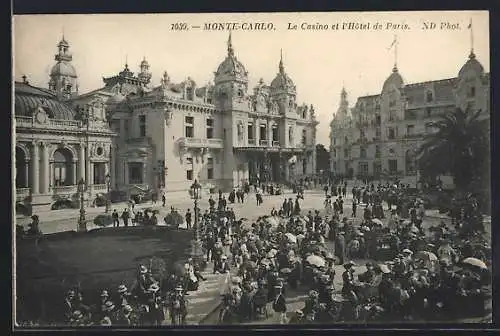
pixel 471 38
pixel 395 51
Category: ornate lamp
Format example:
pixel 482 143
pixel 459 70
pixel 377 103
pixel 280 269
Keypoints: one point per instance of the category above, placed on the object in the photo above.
pixel 82 223
pixel 196 246
pixel 108 196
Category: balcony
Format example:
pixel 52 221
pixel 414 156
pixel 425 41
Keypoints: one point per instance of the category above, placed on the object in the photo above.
pixel 413 136
pixel 276 143
pixel 64 190
pixel 100 187
pixel 201 143
pixel 22 121
pixel 251 142
pixel 264 142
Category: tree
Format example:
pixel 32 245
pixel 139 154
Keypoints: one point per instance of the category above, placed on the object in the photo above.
pixel 322 158
pixel 459 146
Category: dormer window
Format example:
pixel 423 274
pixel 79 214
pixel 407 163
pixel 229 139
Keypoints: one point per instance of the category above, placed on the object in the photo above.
pixel 429 97
pixel 189 93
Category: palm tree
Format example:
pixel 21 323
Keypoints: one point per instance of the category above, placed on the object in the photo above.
pixel 460 146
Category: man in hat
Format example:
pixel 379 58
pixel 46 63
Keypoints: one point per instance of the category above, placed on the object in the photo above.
pixel 446 252
pixel 34 228
pixel 279 304
pixel 222 266
pixel 408 260
pixel 69 301
pixel 116 218
pixel 178 308
pixel 125 317
pixel 367 276
pixel 125 216
pixel 348 278
pixel 155 304
pixel 102 308
pixel 188 219
pixel 340 247
pixel 312 303
pixel 77 319
pixel 124 295
pixel 109 311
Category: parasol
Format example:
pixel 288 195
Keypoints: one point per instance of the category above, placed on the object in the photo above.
pixel 474 262
pixel 316 261
pixel 291 238
pixel 377 221
pixel 285 271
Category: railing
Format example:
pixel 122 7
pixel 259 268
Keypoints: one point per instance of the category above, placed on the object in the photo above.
pixel 28 121
pixel 199 142
pixel 64 189
pixel 264 142
pixel 413 136
pixel 276 143
pixel 100 187
pixel 251 142
pixel 22 192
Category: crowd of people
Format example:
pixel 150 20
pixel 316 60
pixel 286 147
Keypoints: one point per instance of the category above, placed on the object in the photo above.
pixel 412 271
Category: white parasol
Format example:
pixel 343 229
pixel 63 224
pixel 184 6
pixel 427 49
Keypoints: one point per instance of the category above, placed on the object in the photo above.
pixel 316 261
pixel 475 262
pixel 377 221
pixel 291 237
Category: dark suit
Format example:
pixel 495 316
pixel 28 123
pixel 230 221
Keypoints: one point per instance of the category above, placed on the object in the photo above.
pixel 221 267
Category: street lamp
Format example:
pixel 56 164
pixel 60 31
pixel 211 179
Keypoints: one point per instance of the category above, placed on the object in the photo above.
pixel 196 247
pixel 82 223
pixel 108 185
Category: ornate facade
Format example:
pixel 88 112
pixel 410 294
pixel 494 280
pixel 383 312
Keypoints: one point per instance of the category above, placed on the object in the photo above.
pixel 57 144
pixel 379 136
pixel 158 137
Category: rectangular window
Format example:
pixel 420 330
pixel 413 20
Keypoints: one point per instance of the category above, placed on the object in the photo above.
pixel 304 137
pixel 334 141
pixel 393 166
pixel 135 172
pixel 410 129
pixel 363 168
pixel 378 132
pixel 210 128
pixel 99 173
pixel 362 153
pixel 126 128
pixel 250 131
pixel 472 92
pixel 189 169
pixel 142 126
pixel 263 131
pixel 275 134
pixel 377 120
pixel 189 127
pixel 391 133
pixel 210 168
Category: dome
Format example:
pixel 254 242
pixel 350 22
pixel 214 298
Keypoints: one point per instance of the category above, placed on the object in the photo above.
pixel 63 69
pixel 28 98
pixel 472 64
pixel 231 67
pixel 394 79
pixel 282 81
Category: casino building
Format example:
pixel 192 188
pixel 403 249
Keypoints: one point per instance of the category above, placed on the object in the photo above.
pixel 157 138
pixel 378 137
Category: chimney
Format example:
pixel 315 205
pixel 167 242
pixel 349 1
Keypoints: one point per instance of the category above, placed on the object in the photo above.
pixel 25 79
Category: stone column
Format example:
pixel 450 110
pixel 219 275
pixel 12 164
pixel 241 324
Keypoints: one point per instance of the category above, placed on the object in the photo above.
pixel 74 176
pixel 257 132
pixel 144 175
pixel 270 133
pixel 90 173
pixel 81 163
pixel 26 174
pixel 35 170
pixel 45 169
pixel 125 176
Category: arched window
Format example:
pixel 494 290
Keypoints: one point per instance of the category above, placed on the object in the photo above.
pixel 63 172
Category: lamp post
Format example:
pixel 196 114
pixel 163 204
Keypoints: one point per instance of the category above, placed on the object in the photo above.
pixel 196 246
pixel 108 185
pixel 82 223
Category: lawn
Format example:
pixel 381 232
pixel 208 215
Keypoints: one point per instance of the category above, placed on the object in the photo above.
pixel 96 260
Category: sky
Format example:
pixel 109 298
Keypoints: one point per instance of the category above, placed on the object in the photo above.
pixel 320 62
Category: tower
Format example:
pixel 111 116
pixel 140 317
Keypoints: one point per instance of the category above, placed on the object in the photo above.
pixel 231 80
pixel 283 90
pixel 63 78
pixel 145 74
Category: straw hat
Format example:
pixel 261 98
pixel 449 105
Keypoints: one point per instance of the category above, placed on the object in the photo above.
pixel 143 269
pixel 104 293
pixel 153 288
pixel 122 289
pixel 109 306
